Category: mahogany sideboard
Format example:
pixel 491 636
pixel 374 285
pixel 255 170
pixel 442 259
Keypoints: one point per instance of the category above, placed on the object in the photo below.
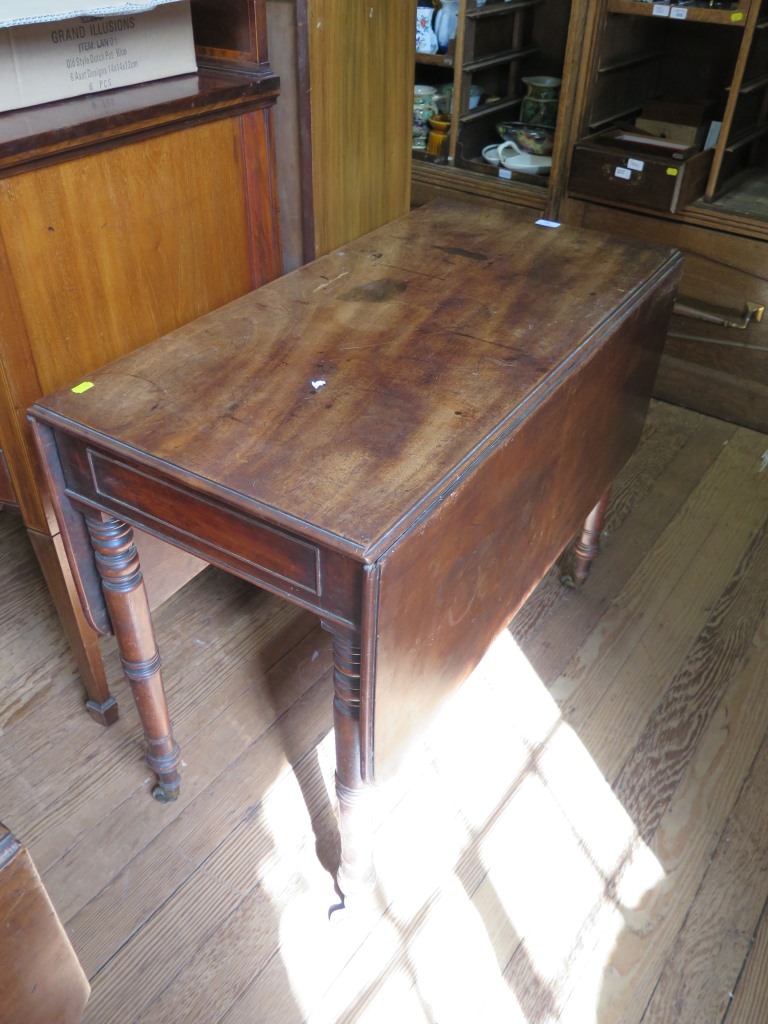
pixel 122 216
pixel 401 436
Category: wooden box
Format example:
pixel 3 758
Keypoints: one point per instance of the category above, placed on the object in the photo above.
pixel 627 167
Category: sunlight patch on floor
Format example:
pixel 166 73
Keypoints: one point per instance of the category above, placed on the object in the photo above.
pixel 495 850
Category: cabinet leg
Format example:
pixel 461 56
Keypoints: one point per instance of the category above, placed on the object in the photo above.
pixel 587 547
pixel 356 875
pixel 118 563
pixel 83 639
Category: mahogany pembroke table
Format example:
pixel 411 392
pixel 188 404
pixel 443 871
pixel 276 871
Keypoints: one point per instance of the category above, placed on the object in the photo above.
pixel 401 436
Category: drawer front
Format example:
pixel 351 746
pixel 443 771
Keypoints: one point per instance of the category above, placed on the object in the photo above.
pixel 194 520
pixel 621 176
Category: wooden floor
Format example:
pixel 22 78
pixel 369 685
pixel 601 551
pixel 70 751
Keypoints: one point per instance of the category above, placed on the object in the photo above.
pixel 582 837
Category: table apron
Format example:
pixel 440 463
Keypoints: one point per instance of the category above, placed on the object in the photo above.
pixel 307 573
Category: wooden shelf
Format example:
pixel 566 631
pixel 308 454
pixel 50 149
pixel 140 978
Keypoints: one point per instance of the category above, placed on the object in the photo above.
pixel 735 18
pixel 440 60
pixel 632 61
pixel 492 10
pixel 494 60
pixel 489 109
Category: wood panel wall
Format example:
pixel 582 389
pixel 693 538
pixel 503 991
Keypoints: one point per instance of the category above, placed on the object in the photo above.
pixel 104 253
pixel 721 371
pixel 360 55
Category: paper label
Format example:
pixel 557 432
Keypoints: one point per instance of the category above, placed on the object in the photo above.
pixel 679 13
pixel 661 10
pixel 623 172
pixel 504 172
pixel 737 16
pixel 635 165
pixel 673 172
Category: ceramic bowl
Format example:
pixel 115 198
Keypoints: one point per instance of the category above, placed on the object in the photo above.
pixel 491 155
pixel 537 139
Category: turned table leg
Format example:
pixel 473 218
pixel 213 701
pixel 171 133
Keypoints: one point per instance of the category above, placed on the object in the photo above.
pixel 587 547
pixel 118 563
pixel 356 875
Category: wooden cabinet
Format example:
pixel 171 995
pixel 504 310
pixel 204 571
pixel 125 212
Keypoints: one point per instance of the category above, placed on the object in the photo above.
pixel 123 216
pixel 642 57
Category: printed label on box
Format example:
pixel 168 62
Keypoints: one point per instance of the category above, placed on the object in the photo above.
pixel 680 13
pixel 661 10
pixel 635 165
pixel 60 59
pixel 623 172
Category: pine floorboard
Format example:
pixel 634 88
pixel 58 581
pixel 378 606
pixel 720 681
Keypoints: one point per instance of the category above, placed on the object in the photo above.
pixel 581 837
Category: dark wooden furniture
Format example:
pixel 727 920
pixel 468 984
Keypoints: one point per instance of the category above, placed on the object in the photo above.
pixel 41 980
pixel 401 436
pixel 122 216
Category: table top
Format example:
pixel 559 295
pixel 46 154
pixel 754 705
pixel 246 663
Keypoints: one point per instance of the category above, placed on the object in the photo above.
pixel 348 396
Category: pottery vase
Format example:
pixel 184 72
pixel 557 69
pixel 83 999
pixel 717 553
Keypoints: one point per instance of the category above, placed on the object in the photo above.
pixel 542 96
pixel 426 40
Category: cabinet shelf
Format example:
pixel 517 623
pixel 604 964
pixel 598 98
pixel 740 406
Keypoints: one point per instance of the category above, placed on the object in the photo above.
pixel 632 61
pixel 495 60
pixel 490 109
pixel 439 60
pixel 735 17
pixel 746 137
pixel 509 7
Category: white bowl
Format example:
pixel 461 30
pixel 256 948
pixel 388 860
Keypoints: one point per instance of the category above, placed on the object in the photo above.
pixel 491 155
pixel 527 163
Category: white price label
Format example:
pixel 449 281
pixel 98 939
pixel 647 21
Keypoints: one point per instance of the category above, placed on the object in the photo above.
pixel 635 165
pixel 504 172
pixel 661 10
pixel 681 13
pixel 623 172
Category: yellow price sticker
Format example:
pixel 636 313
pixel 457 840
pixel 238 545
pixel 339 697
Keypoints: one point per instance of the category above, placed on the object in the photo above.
pixel 672 172
pixel 80 388
pixel 737 16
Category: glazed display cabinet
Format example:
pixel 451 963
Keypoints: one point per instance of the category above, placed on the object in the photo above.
pixel 485 78
pixel 671 145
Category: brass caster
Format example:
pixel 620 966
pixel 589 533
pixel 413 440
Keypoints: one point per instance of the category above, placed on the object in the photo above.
pixel 164 795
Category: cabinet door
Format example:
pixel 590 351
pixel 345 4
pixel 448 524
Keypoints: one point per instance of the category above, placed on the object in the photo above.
pixel 360 74
pixel 718 370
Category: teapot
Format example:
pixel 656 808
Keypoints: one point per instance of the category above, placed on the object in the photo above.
pixel 446 24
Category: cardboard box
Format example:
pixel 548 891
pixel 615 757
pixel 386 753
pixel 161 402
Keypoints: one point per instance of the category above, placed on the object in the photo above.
pixel 55 60
pixel 638 170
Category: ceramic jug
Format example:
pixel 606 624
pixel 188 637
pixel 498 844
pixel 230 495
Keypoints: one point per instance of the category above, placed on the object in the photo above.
pixel 446 23
pixel 426 40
